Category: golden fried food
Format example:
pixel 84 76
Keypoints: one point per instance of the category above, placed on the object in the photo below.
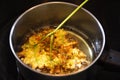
pixel 64 56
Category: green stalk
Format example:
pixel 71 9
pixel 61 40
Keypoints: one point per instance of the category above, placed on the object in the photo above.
pixel 66 19
pixel 51 42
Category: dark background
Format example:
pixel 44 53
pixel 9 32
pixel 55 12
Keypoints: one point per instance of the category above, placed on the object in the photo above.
pixel 106 11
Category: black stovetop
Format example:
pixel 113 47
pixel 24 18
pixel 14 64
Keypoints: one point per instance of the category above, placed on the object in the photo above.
pixel 99 71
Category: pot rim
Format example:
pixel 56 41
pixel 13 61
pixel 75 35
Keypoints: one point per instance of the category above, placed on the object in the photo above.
pixel 56 2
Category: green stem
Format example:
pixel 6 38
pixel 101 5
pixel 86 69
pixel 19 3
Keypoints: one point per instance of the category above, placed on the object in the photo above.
pixel 66 19
pixel 51 42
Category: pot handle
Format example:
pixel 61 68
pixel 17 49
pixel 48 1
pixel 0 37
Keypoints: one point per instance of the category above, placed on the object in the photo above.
pixel 111 57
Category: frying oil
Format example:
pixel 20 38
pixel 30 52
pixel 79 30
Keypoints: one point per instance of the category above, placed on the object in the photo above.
pixel 84 43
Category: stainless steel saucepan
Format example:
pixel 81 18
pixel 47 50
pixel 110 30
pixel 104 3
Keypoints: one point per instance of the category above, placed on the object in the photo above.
pixel 82 23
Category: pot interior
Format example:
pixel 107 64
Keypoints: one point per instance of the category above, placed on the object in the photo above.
pixel 83 23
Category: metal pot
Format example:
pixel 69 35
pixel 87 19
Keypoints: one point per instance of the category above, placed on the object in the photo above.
pixel 52 13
